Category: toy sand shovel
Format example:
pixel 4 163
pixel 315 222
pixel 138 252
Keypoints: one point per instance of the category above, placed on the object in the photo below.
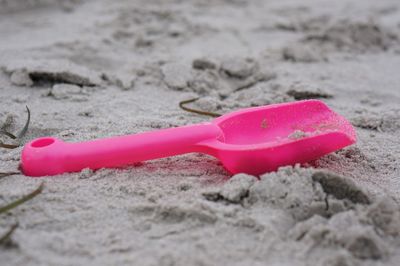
pixel 253 140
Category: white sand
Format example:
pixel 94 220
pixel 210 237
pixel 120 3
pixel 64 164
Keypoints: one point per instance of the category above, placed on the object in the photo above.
pixel 90 69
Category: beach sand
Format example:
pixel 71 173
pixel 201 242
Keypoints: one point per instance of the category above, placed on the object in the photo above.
pixel 91 69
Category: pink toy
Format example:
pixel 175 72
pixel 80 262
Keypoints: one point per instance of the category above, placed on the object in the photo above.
pixel 254 141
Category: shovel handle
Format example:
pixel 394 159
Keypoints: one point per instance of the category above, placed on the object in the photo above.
pixel 51 156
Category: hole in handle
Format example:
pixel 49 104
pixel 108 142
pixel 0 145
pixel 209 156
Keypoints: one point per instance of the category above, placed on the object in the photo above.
pixel 40 143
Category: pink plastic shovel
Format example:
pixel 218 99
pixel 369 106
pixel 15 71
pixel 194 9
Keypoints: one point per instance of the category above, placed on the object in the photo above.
pixel 254 141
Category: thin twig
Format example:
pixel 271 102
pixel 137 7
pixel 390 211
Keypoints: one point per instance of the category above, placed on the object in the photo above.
pixel 4 174
pixel 8 134
pixel 8 146
pixel 20 135
pixel 23 131
pixel 200 112
pixel 6 237
pixel 22 200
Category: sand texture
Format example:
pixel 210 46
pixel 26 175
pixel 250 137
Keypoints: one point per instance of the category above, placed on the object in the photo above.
pixel 91 69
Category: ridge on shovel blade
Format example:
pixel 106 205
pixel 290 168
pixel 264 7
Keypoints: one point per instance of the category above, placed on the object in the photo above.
pixel 252 140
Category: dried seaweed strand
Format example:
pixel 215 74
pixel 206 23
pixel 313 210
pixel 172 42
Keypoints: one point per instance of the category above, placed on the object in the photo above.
pixel 20 135
pixel 22 200
pixel 6 237
pixel 200 112
pixel 8 146
pixel 4 174
pixel 8 134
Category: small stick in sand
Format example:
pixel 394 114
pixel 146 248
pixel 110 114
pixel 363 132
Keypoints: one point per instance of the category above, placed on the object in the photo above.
pixel 22 200
pixel 200 112
pixel 4 174
pixel 4 239
pixel 20 135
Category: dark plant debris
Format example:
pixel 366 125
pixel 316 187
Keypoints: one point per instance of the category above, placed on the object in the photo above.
pixel 200 112
pixel 19 136
pixel 5 240
pixel 8 134
pixel 8 146
pixel 23 131
pixel 253 81
pixel 305 95
pixel 22 200
pixel 4 174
